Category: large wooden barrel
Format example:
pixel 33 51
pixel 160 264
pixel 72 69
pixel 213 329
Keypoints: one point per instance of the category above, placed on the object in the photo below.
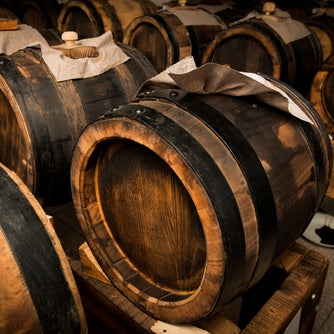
pixel 172 34
pixel 254 46
pixel 41 119
pixel 40 14
pixel 186 199
pixel 323 26
pixel 91 18
pixel 38 293
pixel 6 13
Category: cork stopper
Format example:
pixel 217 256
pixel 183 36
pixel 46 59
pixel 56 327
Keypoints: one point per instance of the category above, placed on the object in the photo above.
pixel 269 8
pixel 69 38
pixel 182 3
pixel 70 49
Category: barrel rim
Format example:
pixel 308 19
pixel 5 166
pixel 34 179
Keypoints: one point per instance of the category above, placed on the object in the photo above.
pixel 255 34
pixel 45 221
pixel 30 181
pixel 213 275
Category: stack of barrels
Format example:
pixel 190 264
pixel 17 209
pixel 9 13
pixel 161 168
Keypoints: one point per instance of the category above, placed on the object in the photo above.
pixel 180 196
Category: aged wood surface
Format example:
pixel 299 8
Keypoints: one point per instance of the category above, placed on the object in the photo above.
pixel 91 18
pixel 321 93
pixel 174 174
pixel 37 292
pixel 46 117
pixel 254 47
pixel 164 38
pixel 40 14
pixel 323 26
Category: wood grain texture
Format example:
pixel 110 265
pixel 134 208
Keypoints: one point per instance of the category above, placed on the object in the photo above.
pixel 320 94
pixel 91 18
pixel 165 39
pixel 38 291
pixel 39 14
pixel 323 26
pixel 183 201
pixel 302 287
pixel 253 46
pixel 41 119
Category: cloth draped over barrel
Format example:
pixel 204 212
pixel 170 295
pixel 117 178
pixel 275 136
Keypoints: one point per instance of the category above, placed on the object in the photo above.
pixel 63 67
pixel 278 22
pixel 212 78
pixel 191 17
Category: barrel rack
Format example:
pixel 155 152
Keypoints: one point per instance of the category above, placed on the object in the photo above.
pixel 287 298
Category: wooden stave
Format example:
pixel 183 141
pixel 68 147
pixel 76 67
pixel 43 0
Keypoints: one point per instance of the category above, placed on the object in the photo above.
pixel 321 86
pixel 49 130
pixel 323 24
pixel 179 40
pixel 88 215
pixel 290 65
pixel 44 289
pixel 102 15
pixel 38 14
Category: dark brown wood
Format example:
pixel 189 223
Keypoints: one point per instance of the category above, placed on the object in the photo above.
pixel 6 13
pixel 164 38
pixel 38 293
pixel 300 290
pixel 323 26
pixel 321 95
pixel 304 273
pixel 91 18
pixel 253 46
pixel 40 14
pixel 185 205
pixel 41 119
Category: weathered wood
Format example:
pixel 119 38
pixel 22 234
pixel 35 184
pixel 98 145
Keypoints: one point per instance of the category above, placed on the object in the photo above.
pixel 41 119
pixel 40 14
pixel 185 206
pixel 253 46
pixel 321 95
pixel 323 26
pixel 91 18
pixel 300 289
pixel 38 293
pixel 165 38
pixel 7 13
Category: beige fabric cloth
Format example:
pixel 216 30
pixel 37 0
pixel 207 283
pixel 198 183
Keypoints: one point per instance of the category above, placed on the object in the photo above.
pixel 212 78
pixel 290 30
pixel 62 67
pixel 196 17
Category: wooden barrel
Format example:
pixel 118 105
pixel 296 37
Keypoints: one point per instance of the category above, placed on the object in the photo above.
pixel 254 46
pixel 186 200
pixel 91 18
pixel 38 293
pixel 40 14
pixel 321 94
pixel 6 13
pixel 41 119
pixel 172 34
pixel 321 97
pixel 323 26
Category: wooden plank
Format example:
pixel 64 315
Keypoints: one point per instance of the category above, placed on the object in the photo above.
pixel 300 292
